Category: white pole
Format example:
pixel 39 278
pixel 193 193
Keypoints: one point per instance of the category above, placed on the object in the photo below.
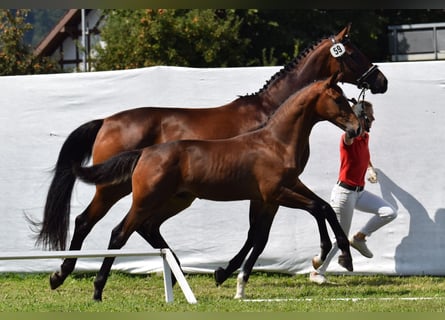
pixel 84 42
pixel 169 264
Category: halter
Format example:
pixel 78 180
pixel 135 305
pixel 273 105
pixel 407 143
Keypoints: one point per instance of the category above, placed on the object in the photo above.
pixel 359 111
pixel 338 50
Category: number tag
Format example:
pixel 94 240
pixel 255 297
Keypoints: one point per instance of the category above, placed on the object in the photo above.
pixel 337 50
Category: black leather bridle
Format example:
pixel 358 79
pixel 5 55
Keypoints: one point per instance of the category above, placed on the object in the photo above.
pixel 363 80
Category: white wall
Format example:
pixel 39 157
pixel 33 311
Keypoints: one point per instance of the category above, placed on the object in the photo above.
pixel 38 112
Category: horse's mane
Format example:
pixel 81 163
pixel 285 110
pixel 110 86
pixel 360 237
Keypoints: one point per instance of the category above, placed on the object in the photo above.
pixel 263 124
pixel 288 67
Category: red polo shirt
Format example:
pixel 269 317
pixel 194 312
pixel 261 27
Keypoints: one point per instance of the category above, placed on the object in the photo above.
pixel 354 160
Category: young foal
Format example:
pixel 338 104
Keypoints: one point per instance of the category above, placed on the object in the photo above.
pixel 262 165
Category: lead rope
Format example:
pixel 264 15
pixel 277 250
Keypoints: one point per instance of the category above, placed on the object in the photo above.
pixel 362 95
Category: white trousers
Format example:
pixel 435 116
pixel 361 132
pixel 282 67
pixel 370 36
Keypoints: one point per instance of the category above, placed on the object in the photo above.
pixel 345 201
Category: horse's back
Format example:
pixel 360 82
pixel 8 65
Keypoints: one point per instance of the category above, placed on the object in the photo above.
pixel 141 127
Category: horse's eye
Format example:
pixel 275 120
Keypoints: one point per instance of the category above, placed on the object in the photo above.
pixel 339 100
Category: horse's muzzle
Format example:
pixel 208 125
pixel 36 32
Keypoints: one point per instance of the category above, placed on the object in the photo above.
pixel 352 133
pixel 374 80
pixel 382 86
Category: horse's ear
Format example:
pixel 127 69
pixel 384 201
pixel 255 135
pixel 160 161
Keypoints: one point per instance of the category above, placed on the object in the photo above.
pixel 344 33
pixel 336 77
pixel 339 77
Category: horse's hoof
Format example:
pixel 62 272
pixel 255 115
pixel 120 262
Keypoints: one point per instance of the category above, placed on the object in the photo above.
pixel 55 280
pixel 345 262
pixel 220 276
pixel 238 297
pixel 317 262
pixel 97 297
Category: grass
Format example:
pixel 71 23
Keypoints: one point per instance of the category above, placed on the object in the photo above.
pixel 130 293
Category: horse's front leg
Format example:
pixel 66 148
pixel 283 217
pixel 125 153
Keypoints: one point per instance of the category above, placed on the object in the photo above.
pixel 221 274
pixel 325 240
pixel 298 196
pixel 344 259
pixel 260 235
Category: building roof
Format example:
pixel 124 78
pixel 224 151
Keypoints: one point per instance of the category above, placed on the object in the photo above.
pixel 66 26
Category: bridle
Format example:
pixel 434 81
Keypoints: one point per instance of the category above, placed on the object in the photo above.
pixel 359 109
pixel 338 50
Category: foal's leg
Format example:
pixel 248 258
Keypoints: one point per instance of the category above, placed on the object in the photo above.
pixel 146 220
pixel 298 196
pixel 221 274
pixel 264 219
pixel 150 229
pixel 117 241
pixel 104 198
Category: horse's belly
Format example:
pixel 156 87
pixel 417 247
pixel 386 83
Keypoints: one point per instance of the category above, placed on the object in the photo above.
pixel 224 192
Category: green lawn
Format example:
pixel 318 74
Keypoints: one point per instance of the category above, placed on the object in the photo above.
pixel 264 292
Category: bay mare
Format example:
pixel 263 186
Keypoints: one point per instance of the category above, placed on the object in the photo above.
pixel 263 165
pixel 141 127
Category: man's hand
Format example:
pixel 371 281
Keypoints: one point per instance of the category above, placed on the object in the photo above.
pixel 372 175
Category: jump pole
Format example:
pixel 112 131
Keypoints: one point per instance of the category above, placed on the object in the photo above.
pixel 169 264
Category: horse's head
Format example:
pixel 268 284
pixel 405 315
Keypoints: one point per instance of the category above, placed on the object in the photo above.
pixel 354 65
pixel 333 106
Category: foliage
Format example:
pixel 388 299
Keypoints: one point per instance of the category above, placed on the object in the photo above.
pixel 241 37
pixel 205 37
pixel 16 57
pixel 42 20
pixel 285 33
pixel 136 293
pixel 192 37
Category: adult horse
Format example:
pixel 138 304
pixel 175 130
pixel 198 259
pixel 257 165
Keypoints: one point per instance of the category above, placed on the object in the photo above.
pixel 262 165
pixel 137 128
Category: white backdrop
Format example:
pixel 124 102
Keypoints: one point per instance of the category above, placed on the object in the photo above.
pixel 407 144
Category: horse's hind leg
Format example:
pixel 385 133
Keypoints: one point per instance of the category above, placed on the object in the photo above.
pixel 222 274
pixel 103 200
pixel 150 229
pixel 117 241
pixel 119 237
pixel 261 232
pixel 153 236
pixel 134 220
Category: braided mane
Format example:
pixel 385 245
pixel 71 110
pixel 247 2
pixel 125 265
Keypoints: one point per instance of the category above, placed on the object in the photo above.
pixel 288 67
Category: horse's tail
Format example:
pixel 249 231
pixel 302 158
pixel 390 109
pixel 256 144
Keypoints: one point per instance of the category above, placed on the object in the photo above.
pixel 75 151
pixel 115 170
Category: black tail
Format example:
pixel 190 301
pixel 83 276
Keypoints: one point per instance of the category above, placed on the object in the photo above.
pixel 116 170
pixel 76 150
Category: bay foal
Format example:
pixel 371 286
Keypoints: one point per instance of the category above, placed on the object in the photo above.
pixel 263 165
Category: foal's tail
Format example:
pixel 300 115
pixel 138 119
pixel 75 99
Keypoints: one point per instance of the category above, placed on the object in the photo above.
pixel 75 151
pixel 115 170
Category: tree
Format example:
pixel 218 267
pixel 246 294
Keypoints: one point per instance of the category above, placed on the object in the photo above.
pixel 241 37
pixel 184 37
pixel 42 21
pixel 16 58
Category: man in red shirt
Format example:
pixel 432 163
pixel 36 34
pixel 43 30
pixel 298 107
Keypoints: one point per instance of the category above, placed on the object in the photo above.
pixel 349 194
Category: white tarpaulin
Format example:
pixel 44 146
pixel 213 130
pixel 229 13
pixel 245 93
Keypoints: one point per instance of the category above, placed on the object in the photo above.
pixel 407 143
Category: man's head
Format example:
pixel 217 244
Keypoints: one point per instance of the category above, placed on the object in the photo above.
pixel 365 112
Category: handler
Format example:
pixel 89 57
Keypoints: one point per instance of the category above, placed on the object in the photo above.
pixel 349 194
